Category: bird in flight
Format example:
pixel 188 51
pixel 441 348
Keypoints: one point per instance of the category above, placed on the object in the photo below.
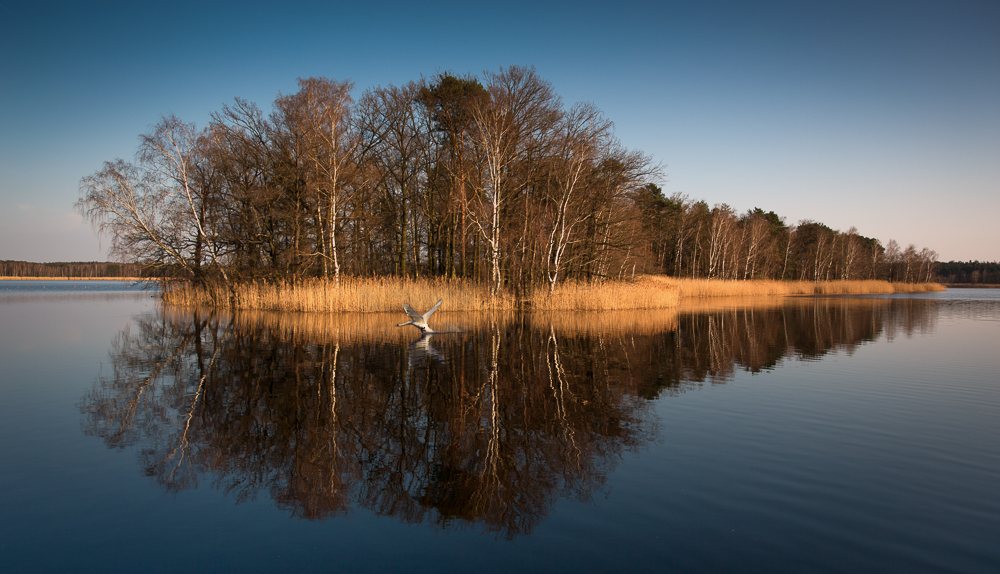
pixel 417 320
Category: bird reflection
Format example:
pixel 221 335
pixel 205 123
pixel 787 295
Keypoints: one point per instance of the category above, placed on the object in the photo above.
pixel 421 350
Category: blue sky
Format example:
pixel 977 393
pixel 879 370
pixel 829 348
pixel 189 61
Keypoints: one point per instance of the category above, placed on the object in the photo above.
pixel 880 115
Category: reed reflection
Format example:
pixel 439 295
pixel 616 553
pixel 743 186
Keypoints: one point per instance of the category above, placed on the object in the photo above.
pixel 488 427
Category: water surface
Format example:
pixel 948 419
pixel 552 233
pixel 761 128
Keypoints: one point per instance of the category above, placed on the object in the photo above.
pixel 829 435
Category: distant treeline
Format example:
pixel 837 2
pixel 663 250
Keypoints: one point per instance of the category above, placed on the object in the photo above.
pixel 71 269
pixel 972 272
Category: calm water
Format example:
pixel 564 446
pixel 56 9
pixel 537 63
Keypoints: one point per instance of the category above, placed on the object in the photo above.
pixel 832 435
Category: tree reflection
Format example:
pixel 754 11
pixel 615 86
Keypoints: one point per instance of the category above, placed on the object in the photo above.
pixel 487 427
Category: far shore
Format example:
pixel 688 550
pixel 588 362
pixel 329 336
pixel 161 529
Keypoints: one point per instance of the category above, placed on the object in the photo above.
pixel 9 278
pixel 972 285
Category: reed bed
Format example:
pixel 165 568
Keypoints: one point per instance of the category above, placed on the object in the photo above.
pixel 643 293
pixel 709 288
pixel 386 295
pixel 356 295
pixel 382 295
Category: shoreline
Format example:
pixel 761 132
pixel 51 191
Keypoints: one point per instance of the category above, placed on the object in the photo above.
pixel 972 285
pixel 13 278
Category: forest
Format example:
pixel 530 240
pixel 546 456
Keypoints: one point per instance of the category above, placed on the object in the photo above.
pixel 969 272
pixel 77 269
pixel 490 178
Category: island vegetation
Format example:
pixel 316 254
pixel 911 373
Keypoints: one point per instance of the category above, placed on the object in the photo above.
pixel 485 190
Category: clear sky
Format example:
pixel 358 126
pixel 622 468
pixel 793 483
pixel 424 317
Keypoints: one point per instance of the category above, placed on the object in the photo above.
pixel 881 115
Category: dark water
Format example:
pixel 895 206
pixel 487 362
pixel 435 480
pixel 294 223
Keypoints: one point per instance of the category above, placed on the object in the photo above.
pixel 829 435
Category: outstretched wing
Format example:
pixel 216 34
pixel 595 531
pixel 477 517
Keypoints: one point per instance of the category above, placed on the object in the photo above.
pixel 413 314
pixel 428 314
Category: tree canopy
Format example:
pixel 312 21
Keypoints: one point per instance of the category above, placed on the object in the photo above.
pixel 489 178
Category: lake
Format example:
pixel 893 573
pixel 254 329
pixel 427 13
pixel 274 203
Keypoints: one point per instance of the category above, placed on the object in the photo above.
pixel 849 434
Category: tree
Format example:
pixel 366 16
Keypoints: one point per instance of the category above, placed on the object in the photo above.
pixel 319 116
pixel 171 153
pixel 893 255
pixel 122 201
pixel 450 101
pixel 395 144
pixel 758 231
pixel 154 208
pixel 243 153
pixel 582 134
pixel 721 238
pixel 521 108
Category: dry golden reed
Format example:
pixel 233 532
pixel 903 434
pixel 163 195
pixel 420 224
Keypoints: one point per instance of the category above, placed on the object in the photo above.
pixel 358 295
pixel 707 288
pixel 386 295
pixel 643 293
pixel 377 295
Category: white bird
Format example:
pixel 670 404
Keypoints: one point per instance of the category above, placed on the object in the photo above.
pixel 420 321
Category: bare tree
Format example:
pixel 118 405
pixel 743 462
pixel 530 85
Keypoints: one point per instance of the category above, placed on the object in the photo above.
pixel 241 146
pixel 582 134
pixel 395 145
pixel 319 115
pixel 171 153
pixel 620 172
pixel 521 107
pixel 758 234
pixel 720 239
pixel 852 252
pixel 928 257
pixel 122 200
pixel 155 209
pixel 892 258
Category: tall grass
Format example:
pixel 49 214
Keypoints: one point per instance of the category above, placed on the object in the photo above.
pixel 643 293
pixel 708 288
pixel 386 295
pixel 366 295
pixel 359 295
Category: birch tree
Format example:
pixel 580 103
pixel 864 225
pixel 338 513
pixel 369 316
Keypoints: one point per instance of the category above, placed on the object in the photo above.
pixel 122 200
pixel 171 153
pixel 320 115
pixel 154 208
pixel 582 133
pixel 520 108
